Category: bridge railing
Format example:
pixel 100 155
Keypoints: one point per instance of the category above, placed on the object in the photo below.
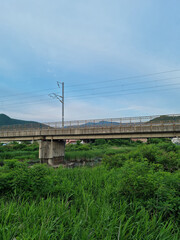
pixel 97 123
pixel 113 122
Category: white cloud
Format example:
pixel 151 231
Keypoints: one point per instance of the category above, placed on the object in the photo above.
pixel 76 110
pixel 81 110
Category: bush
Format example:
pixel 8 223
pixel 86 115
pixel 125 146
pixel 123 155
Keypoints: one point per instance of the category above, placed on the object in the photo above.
pixel 99 142
pixel 168 147
pixel 157 190
pixel 32 181
pixel 165 154
pixel 169 160
pixel 121 142
pixel 114 161
pixel 158 140
pixel 136 180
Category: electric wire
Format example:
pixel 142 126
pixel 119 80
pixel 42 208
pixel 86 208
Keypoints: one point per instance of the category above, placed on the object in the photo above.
pixel 126 78
pixel 124 90
pixel 118 79
pixel 139 82
pixel 100 94
pixel 134 83
pixel 90 96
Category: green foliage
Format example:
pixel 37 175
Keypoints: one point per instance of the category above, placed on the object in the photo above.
pixel 156 189
pixel 132 202
pixel 100 142
pixel 123 142
pixel 78 147
pixel 134 194
pixel 83 155
pixel 19 151
pixel 10 164
pixel 167 155
pixel 158 140
pixel 168 147
pixel 56 218
pixel 116 160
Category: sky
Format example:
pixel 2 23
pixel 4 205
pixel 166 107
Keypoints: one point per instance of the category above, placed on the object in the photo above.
pixel 118 58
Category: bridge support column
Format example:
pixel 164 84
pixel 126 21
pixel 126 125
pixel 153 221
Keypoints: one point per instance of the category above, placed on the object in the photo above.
pixel 52 152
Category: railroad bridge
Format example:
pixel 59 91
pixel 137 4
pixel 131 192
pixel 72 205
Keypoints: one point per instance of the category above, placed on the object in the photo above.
pixel 52 136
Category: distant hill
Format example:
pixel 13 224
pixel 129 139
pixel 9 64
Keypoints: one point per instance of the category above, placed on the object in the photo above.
pixel 166 118
pixel 6 121
pixel 99 124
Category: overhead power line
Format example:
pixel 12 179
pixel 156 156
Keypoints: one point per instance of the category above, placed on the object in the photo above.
pixel 29 103
pixel 134 83
pixel 90 97
pixel 25 93
pixel 89 89
pixel 126 78
pixel 124 90
pixel 87 96
pixel 82 84
pixel 131 93
pixel 103 87
pixel 22 98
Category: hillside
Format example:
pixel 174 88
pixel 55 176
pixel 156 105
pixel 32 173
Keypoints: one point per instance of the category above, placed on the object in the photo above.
pixel 166 118
pixel 5 120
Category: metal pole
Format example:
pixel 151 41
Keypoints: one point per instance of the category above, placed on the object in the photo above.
pixel 63 104
pixel 61 99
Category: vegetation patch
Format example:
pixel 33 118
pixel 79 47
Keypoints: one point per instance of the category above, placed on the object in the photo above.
pixel 133 194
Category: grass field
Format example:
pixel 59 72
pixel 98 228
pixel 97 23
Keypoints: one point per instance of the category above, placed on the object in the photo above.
pixel 133 194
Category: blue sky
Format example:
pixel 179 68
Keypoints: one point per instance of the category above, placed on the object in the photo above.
pixel 97 48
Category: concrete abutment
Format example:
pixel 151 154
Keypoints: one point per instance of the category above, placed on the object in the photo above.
pixel 52 152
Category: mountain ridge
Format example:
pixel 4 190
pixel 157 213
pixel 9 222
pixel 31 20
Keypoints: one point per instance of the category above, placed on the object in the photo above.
pixel 6 120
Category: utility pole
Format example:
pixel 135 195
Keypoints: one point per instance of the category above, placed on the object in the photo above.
pixel 60 98
pixel 62 104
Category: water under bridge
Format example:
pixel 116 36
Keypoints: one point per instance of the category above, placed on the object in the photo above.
pixel 52 136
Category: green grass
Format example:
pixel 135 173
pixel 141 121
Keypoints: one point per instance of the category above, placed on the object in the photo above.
pixel 133 195
pixel 57 218
pixel 73 153
pixel 19 151
pixel 94 153
pixel 88 203
pixel 19 155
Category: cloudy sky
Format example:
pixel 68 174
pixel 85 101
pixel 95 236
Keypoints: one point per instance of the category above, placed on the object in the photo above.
pixel 117 58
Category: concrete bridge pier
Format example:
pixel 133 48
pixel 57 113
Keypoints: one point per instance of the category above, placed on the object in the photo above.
pixel 52 152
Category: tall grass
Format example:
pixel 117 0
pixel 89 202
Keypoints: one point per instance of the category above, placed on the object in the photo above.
pixel 72 153
pixel 134 195
pixel 95 153
pixel 20 155
pixel 57 218
pixel 82 203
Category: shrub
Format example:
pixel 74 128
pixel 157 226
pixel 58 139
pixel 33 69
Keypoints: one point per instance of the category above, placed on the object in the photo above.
pixel 158 140
pixel 169 160
pixel 136 180
pixel 165 154
pixel 157 190
pixel 11 163
pixel 168 147
pixel 113 161
pixel 121 142
pixel 100 142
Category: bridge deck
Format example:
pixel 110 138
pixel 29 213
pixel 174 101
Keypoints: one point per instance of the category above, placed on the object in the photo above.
pixel 120 130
